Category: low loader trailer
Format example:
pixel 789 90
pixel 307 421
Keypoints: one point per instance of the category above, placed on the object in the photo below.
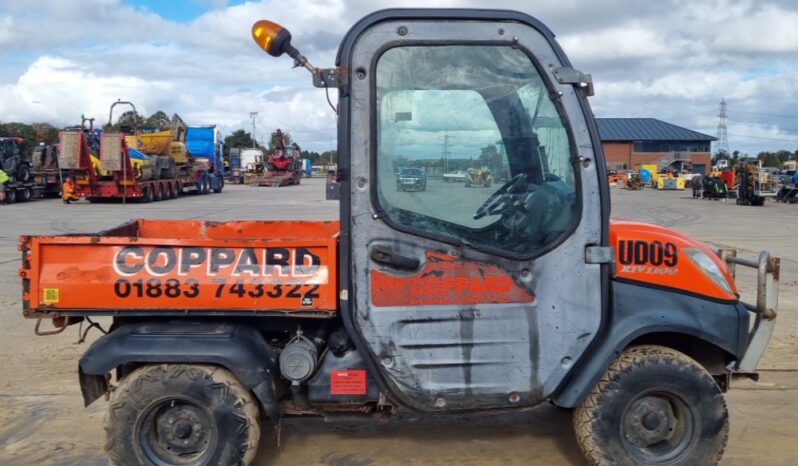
pixel 19 191
pixel 117 179
pixel 437 301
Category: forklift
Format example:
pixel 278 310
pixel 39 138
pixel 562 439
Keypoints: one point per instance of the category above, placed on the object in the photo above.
pixel 462 301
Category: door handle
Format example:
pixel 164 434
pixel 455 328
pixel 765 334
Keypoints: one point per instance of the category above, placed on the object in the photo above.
pixel 385 255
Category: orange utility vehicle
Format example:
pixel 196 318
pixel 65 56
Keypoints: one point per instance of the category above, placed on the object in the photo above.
pixel 438 301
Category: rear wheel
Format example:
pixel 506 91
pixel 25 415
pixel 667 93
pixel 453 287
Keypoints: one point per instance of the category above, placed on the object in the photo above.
pixel 182 414
pixel 158 192
pixel 27 195
pixel 11 196
pixel 221 186
pixel 653 406
pixel 148 195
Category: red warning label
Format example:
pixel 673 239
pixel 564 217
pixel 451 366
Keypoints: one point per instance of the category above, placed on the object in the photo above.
pixel 348 382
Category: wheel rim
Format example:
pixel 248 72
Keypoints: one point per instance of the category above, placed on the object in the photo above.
pixel 176 431
pixel 658 427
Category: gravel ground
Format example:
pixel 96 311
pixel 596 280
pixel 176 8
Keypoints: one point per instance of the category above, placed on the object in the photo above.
pixel 42 419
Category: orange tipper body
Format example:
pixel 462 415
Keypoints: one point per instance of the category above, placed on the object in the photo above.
pixel 184 266
pixel 657 256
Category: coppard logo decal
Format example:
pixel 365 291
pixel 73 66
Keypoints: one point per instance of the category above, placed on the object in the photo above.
pixel 268 262
pixel 654 257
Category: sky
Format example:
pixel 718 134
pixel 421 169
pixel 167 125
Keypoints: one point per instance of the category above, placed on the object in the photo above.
pixel 670 59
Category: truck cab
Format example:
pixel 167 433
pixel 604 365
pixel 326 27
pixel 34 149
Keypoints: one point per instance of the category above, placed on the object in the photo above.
pixel 441 300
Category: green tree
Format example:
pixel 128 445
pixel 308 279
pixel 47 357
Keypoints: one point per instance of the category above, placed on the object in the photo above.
pixel 158 120
pixel 24 131
pixel 239 139
pixel 489 156
pixel 129 119
pixel 46 133
pixel 274 139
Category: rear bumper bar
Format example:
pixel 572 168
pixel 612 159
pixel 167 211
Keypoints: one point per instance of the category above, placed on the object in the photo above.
pixel 765 309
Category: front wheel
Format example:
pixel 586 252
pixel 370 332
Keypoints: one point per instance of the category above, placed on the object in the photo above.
pixel 653 406
pixel 24 173
pixel 182 414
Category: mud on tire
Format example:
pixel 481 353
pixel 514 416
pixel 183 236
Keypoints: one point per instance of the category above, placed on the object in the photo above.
pixel 182 414
pixel 654 405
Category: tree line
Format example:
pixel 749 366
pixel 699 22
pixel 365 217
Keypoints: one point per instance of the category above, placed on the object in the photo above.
pixel 769 159
pixel 242 139
pixel 32 134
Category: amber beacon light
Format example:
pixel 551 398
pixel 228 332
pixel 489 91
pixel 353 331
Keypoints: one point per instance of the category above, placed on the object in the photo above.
pixel 276 40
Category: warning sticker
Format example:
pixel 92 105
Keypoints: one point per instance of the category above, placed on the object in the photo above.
pixel 50 295
pixel 348 382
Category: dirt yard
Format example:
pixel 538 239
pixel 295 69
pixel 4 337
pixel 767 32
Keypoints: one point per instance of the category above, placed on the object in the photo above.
pixel 43 422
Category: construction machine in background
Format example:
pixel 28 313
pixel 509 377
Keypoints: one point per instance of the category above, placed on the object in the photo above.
pixel 634 182
pixel 251 163
pixel 159 167
pixel 22 184
pixel 478 177
pixel 754 184
pixel 283 167
pixel 45 171
pixel 13 161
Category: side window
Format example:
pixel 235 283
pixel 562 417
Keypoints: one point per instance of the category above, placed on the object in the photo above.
pixel 470 147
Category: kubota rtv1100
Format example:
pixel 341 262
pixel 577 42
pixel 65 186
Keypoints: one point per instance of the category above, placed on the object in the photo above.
pixel 437 300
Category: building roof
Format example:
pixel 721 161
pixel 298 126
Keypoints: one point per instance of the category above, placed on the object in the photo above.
pixel 646 129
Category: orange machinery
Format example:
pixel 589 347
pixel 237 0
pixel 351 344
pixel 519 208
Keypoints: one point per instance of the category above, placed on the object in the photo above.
pixel 170 266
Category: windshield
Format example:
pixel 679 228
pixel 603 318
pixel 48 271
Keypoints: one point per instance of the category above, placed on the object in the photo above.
pixel 409 172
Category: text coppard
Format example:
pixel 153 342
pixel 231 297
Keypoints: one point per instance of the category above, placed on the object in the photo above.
pixel 254 262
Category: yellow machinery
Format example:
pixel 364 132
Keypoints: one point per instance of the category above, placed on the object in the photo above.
pixel 670 183
pixel 166 149
pixel 647 173
pixel 141 166
pixel 478 177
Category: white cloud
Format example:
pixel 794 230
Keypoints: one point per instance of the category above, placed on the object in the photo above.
pixel 58 89
pixel 672 59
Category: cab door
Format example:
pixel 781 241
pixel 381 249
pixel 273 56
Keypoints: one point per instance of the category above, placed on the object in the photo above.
pixel 471 194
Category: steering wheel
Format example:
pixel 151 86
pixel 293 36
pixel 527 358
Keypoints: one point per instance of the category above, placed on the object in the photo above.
pixel 497 202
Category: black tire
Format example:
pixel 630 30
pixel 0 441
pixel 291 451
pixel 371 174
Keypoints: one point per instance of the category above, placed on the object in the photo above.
pixel 221 186
pixel 147 195
pixel 158 190
pixel 11 195
pixel 171 170
pixel 654 405
pixel 27 195
pixel 24 173
pixel 182 414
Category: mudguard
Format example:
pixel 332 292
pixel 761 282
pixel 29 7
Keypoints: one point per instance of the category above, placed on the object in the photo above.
pixel 638 310
pixel 239 348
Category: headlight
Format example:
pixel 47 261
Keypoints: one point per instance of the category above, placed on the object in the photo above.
pixel 709 267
